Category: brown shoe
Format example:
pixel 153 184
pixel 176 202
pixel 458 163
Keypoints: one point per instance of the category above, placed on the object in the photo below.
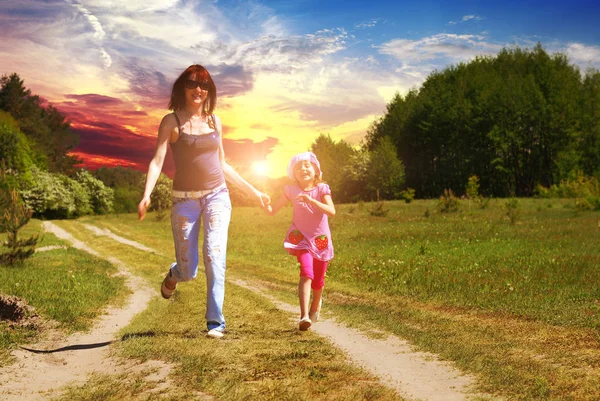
pixel 165 291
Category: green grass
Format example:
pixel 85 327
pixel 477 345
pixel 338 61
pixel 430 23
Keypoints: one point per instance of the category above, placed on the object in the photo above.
pixel 67 286
pixel 515 304
pixel 263 356
pixel 544 267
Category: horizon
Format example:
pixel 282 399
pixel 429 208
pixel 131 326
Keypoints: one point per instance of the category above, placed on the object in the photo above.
pixel 285 73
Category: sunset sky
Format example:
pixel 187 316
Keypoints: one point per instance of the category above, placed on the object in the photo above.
pixel 285 71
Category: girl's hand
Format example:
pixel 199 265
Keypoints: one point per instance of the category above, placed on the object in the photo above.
pixel 304 198
pixel 142 208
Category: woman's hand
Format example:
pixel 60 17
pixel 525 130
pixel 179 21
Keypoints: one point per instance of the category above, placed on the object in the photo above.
pixel 143 205
pixel 264 199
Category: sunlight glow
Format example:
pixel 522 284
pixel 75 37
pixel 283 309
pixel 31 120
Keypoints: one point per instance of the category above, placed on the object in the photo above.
pixel 260 168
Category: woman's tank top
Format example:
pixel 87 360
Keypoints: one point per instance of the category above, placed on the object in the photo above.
pixel 197 163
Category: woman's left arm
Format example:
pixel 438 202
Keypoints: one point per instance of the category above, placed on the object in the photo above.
pixel 234 177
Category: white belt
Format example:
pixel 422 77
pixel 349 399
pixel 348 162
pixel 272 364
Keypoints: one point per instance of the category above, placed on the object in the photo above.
pixel 197 194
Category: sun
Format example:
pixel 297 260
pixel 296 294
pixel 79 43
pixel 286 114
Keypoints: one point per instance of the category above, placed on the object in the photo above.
pixel 260 168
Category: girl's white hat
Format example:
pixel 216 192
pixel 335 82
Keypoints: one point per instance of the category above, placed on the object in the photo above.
pixel 305 156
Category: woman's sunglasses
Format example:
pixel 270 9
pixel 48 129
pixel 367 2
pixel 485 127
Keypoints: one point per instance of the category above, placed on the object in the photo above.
pixel 191 84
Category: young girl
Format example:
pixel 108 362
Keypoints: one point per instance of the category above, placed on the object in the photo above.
pixel 308 238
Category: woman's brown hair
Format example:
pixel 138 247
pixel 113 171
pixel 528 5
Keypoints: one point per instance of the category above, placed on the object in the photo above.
pixel 177 101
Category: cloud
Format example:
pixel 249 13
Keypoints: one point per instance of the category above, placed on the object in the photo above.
pixel 583 55
pixel 232 80
pixel 246 151
pixel 466 18
pixel 367 24
pixel 272 53
pixel 443 48
pixel 99 33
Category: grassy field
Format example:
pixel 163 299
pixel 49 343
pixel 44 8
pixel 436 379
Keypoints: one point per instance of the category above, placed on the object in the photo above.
pixel 66 286
pixel 517 304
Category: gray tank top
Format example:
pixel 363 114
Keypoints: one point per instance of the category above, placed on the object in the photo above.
pixel 197 163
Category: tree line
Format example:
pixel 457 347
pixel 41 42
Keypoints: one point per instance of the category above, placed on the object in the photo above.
pixel 35 145
pixel 521 122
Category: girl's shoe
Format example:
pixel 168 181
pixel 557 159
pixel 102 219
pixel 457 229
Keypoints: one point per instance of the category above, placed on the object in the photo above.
pixel 165 291
pixel 304 324
pixel 314 316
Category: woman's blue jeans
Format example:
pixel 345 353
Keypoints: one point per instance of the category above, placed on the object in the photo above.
pixel 213 212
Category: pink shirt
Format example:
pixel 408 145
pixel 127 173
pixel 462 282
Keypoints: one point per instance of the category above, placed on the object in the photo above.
pixel 310 226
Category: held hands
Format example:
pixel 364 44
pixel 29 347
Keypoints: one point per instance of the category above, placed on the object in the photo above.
pixel 143 205
pixel 265 200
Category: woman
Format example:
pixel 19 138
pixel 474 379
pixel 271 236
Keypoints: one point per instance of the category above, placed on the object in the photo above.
pixel 200 195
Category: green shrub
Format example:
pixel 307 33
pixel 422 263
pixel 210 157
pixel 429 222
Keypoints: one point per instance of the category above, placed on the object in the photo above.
pixel 448 202
pixel 379 209
pixel 49 195
pixel 101 196
pixel 161 198
pixel 408 195
pixel 576 186
pixel 472 188
pixel 126 199
pixel 511 209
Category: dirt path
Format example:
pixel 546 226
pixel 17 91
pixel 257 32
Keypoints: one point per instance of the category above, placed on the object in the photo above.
pixel 40 375
pixel 414 375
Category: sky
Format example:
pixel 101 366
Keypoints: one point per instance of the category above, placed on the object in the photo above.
pixel 286 71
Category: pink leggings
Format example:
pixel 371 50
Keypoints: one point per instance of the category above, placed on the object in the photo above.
pixel 312 268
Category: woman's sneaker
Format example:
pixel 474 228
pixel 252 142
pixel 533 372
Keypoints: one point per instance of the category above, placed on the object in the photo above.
pixel 165 291
pixel 214 333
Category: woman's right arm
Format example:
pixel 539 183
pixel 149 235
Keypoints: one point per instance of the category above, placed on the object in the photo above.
pixel 167 125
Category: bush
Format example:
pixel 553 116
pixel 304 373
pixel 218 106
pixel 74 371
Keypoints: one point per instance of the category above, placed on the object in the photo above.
pixel 408 195
pixel 49 195
pixel 472 189
pixel 379 209
pixel 56 196
pixel 448 202
pixel 126 199
pixel 101 196
pixel 576 186
pixel 511 209
pixel 162 196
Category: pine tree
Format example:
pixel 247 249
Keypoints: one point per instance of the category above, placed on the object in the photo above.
pixel 15 214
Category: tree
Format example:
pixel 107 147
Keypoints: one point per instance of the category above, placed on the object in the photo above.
pixel 385 175
pixel 14 97
pixel 15 151
pixel 127 184
pixel 355 176
pixel 588 141
pixel 14 215
pixel 512 120
pixel 333 157
pixel 47 130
